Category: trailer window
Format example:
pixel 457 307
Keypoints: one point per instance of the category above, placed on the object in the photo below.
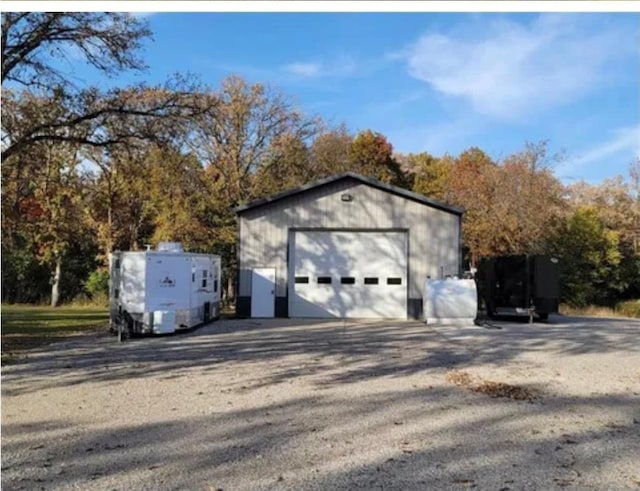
pixel 118 263
pixel 324 280
pixel 204 273
pixel 215 286
pixel 348 280
pixel 371 281
pixel 394 281
pixel 193 277
pixel 204 283
pixel 116 293
pixel 302 279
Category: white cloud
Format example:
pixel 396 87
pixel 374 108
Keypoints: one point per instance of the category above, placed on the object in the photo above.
pixel 143 15
pixel 303 69
pixel 437 138
pixel 623 144
pixel 340 67
pixel 506 69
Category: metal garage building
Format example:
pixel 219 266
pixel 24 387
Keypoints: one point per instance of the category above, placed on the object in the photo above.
pixel 346 246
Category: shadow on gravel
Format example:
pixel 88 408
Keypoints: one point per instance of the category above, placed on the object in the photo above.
pixel 295 444
pixel 334 353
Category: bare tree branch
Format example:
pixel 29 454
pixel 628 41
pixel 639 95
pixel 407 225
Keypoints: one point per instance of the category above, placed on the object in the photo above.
pixel 139 113
pixel 107 40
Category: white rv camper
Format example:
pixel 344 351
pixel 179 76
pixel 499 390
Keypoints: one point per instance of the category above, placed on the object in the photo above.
pixel 164 290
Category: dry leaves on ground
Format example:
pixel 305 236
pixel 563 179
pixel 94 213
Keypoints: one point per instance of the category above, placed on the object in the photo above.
pixel 490 388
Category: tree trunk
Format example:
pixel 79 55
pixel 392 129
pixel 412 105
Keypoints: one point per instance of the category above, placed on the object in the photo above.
pixel 230 289
pixel 109 230
pixel 55 284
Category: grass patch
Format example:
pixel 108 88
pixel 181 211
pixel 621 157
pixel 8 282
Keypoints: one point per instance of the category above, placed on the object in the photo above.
pixel 629 308
pixel 27 326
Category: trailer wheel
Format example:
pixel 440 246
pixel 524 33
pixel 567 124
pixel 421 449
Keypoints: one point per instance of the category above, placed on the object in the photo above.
pixel 123 333
pixel 489 312
pixel 124 327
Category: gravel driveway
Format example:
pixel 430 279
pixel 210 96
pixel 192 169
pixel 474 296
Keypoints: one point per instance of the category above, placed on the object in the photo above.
pixel 290 404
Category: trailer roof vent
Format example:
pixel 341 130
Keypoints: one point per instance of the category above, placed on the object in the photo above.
pixel 170 247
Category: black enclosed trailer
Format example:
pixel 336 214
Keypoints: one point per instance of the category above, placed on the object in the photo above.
pixel 519 285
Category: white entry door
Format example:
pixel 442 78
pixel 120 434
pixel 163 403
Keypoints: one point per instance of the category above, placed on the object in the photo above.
pixel 348 274
pixel 263 290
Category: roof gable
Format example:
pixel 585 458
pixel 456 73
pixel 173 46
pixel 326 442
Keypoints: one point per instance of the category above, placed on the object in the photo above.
pixel 351 175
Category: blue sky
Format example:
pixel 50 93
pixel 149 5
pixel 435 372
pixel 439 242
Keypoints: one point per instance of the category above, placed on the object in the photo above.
pixel 432 82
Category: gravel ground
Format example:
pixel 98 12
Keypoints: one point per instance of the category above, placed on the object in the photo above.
pixel 290 404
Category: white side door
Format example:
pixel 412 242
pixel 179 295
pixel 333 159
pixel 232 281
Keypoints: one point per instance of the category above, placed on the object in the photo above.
pixel 263 290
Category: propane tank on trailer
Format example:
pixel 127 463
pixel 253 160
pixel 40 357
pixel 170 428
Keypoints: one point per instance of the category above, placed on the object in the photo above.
pixel 170 247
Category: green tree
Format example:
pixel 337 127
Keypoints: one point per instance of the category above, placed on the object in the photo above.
pixel 590 258
pixel 617 205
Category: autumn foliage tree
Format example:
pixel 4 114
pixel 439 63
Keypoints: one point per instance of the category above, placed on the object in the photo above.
pixel 427 174
pixel 87 171
pixel 371 154
pixel 250 136
pixel 471 184
pixel 44 211
pixel 329 152
pixel 239 135
pixel 512 205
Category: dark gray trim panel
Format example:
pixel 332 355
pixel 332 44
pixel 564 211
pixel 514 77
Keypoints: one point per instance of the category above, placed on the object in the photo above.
pixel 282 307
pixel 357 177
pixel 238 242
pixel 243 307
pixel 460 247
pixel 415 308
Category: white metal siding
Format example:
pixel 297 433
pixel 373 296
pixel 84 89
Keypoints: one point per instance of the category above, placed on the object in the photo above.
pixel 133 281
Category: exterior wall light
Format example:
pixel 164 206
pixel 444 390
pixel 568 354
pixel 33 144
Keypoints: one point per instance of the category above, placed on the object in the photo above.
pixel 346 197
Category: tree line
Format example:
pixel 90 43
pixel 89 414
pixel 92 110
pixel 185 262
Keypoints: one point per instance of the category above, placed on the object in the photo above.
pixel 87 171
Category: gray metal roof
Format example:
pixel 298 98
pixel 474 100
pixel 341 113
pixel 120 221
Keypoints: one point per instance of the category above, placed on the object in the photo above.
pixel 351 175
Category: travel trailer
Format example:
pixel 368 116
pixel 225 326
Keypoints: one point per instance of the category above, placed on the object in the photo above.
pixel 162 291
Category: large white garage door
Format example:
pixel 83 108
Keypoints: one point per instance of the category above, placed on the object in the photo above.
pixel 348 274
